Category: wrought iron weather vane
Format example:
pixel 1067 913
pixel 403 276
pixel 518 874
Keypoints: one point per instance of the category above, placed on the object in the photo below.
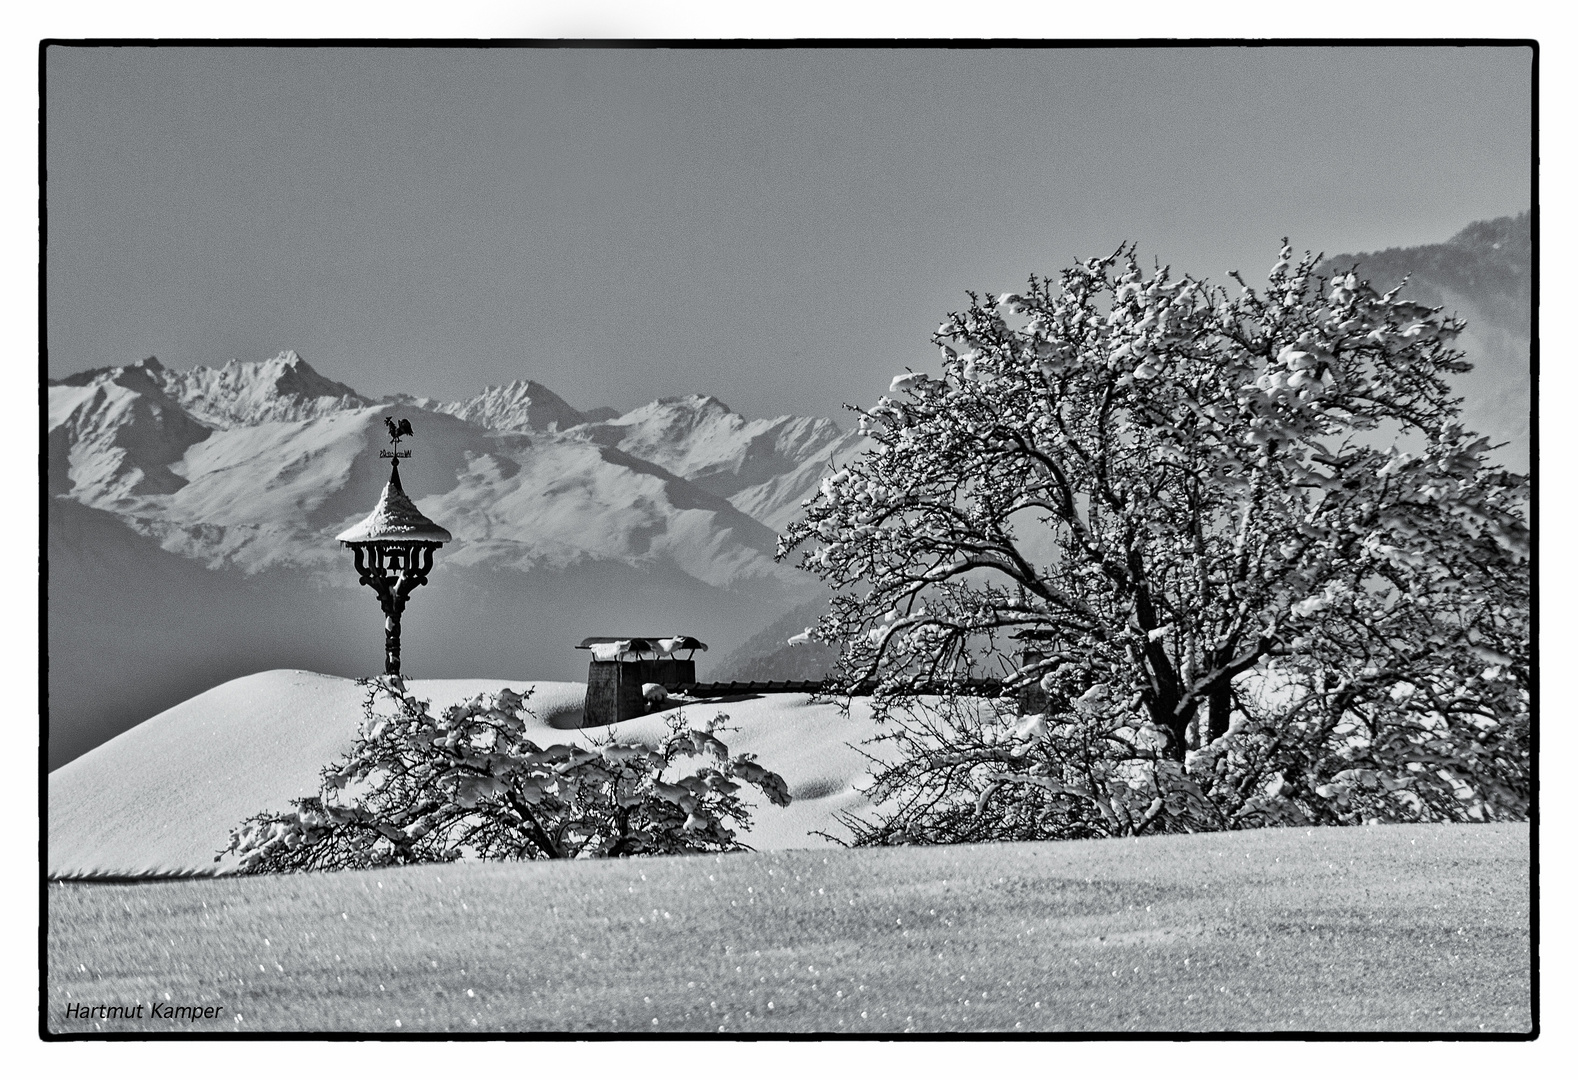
pixel 394 546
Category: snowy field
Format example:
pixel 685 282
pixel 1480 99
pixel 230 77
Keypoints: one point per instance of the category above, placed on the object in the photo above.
pixel 1406 928
pixel 1388 929
pixel 162 798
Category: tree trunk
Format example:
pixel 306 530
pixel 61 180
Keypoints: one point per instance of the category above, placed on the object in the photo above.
pixel 1221 711
pixel 1166 688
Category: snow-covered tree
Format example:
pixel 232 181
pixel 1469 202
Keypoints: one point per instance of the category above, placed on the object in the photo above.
pixel 416 788
pixel 1232 549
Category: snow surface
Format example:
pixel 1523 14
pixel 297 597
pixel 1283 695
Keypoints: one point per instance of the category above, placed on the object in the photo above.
pixel 161 798
pixel 1384 928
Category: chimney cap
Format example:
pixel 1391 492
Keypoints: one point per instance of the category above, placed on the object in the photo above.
pixel 667 645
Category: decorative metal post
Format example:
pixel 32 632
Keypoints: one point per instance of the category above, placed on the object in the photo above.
pixel 394 546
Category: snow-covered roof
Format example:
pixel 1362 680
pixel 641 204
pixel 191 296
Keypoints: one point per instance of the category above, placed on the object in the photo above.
pixel 666 645
pixel 395 518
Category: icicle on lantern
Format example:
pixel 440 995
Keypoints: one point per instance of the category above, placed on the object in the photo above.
pixel 394 546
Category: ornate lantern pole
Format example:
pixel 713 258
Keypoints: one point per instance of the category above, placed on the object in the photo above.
pixel 394 546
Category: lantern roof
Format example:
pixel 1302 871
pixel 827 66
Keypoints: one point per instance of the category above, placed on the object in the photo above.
pixel 395 518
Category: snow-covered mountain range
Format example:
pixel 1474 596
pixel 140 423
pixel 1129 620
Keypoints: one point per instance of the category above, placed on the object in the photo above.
pixel 228 484
pixel 254 463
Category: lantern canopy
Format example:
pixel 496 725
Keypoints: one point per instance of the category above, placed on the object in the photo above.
pixel 395 518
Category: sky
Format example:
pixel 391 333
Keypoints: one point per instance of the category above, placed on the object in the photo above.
pixel 780 228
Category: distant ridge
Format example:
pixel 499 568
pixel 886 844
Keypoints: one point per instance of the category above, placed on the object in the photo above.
pixel 768 656
pixel 1484 274
pixel 1489 263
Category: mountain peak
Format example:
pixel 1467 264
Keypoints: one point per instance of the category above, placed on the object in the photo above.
pixel 247 392
pixel 287 360
pixel 521 405
pixel 140 371
pixel 287 357
pixel 699 401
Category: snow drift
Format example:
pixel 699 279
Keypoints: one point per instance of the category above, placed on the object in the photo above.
pixel 161 798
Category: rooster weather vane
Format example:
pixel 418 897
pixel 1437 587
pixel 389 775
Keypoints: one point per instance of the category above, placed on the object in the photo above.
pixel 397 431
